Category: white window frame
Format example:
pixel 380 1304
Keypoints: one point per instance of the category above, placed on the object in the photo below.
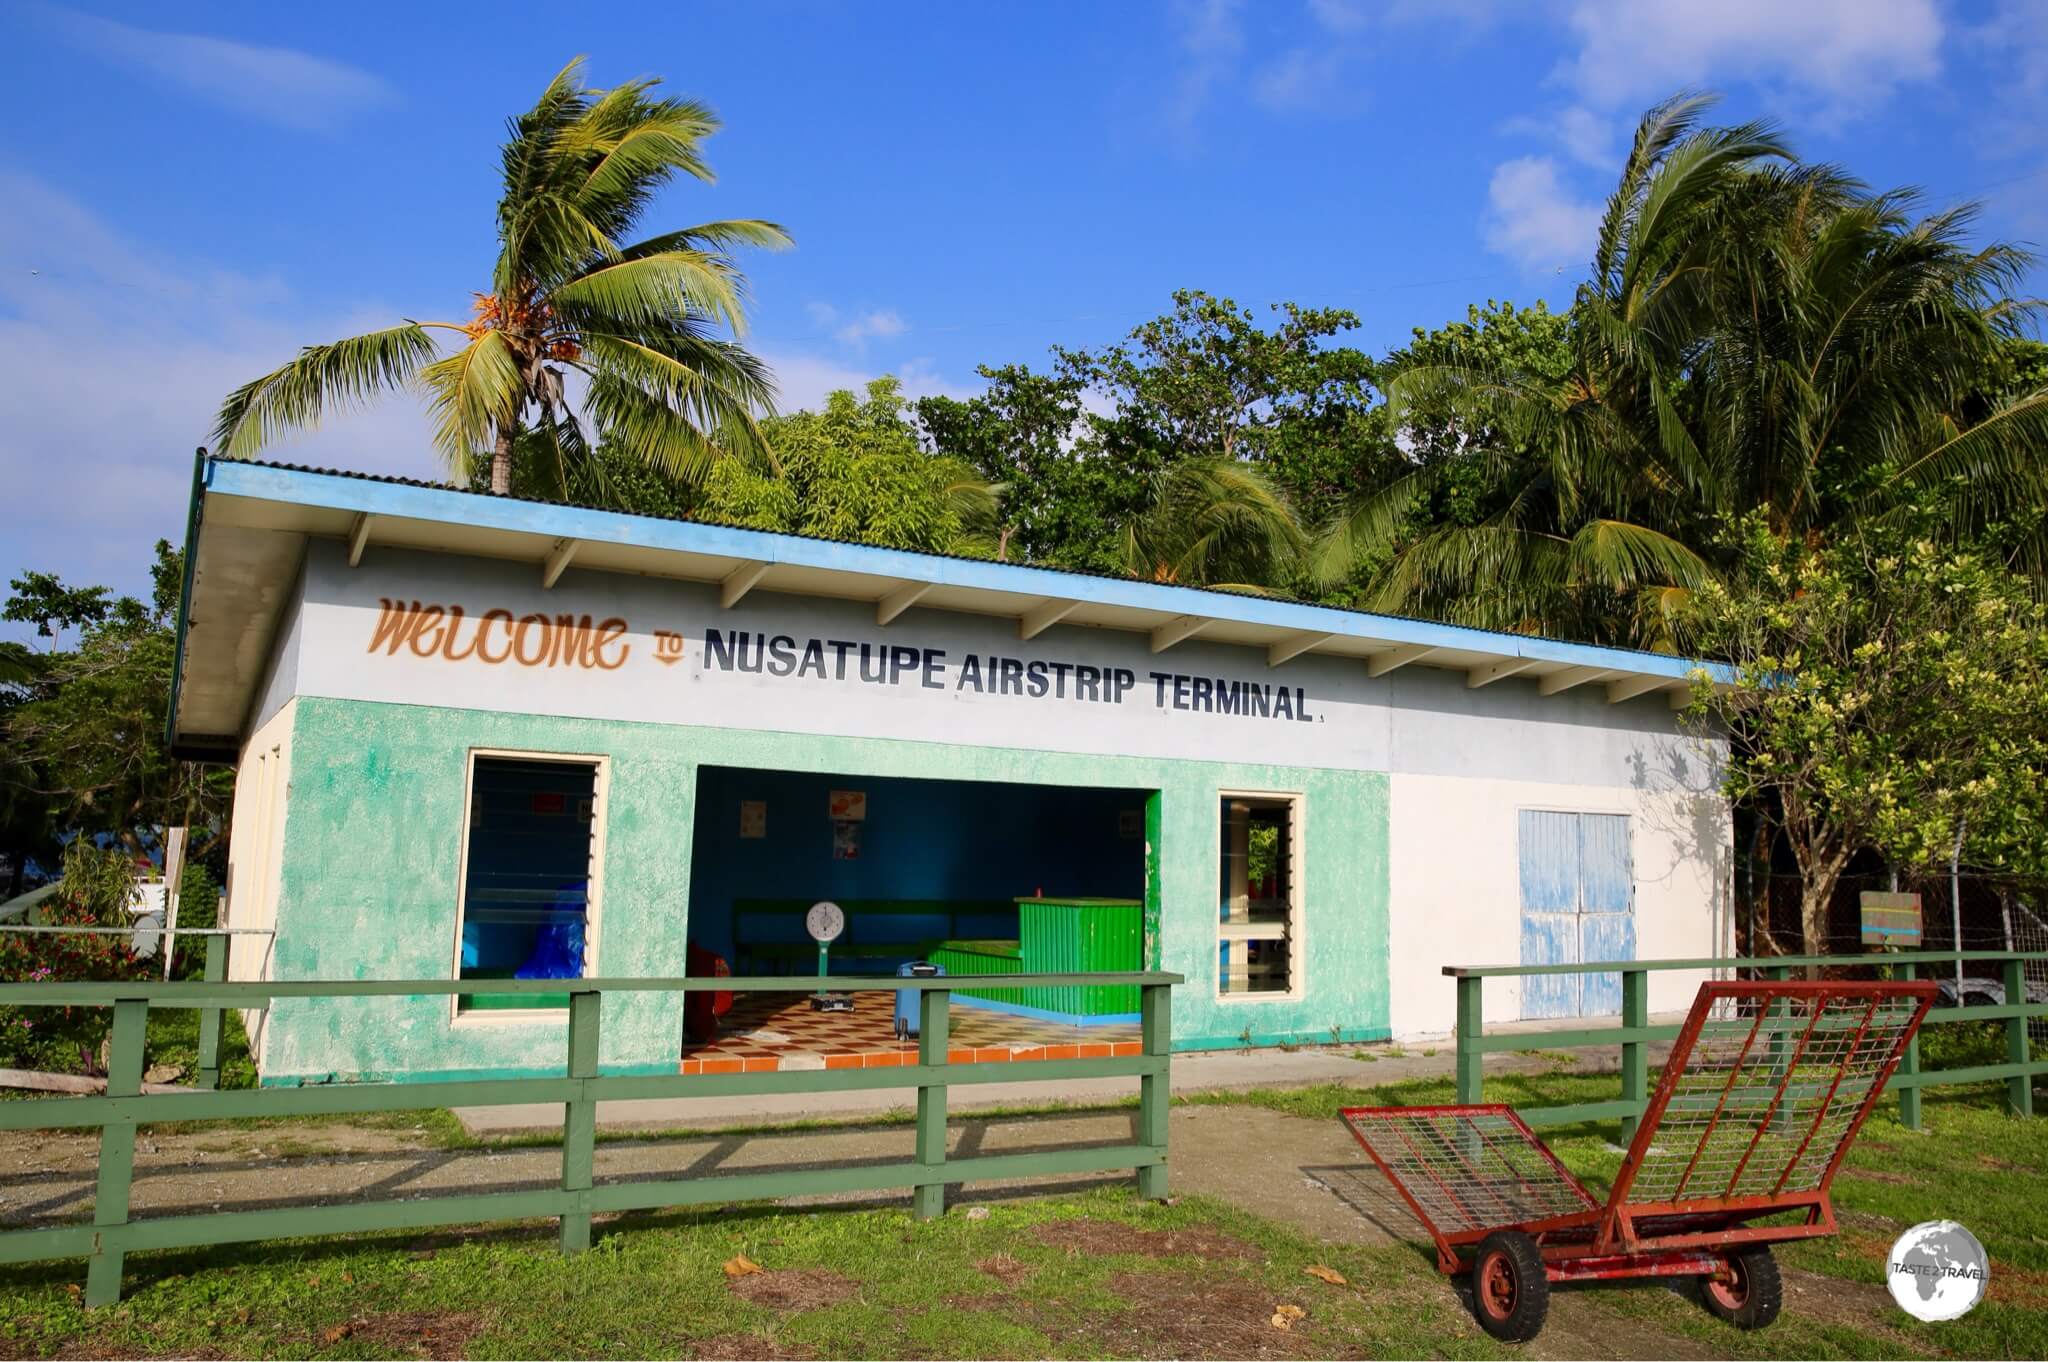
pixel 1297 936
pixel 600 805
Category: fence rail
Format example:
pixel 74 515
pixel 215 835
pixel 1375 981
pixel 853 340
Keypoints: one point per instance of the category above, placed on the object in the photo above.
pixel 1634 1033
pixel 114 1233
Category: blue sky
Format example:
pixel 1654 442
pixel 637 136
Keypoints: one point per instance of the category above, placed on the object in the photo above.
pixel 191 192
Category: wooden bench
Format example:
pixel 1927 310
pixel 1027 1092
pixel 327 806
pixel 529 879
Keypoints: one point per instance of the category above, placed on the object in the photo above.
pixel 768 934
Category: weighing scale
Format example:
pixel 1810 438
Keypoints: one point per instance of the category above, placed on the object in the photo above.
pixel 825 922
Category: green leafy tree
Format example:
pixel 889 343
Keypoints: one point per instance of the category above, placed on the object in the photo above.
pixel 85 737
pixel 1207 381
pixel 1891 694
pixel 1204 431
pixel 856 471
pixel 42 599
pixel 1027 434
pixel 641 334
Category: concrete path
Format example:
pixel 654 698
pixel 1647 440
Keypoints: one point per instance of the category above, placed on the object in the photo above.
pixel 1223 1071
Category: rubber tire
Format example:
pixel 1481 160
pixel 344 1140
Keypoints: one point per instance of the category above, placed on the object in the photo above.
pixel 1758 1293
pixel 1510 1289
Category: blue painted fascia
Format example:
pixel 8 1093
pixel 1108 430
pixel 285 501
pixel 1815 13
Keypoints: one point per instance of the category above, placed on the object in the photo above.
pixel 335 491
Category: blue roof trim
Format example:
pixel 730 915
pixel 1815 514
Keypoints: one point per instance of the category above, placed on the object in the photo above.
pixel 345 492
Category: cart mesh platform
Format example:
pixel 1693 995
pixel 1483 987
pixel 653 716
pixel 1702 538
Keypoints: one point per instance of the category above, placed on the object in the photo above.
pixel 1764 1089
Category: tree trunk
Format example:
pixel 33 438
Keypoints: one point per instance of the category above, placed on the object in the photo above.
pixel 1819 872
pixel 501 464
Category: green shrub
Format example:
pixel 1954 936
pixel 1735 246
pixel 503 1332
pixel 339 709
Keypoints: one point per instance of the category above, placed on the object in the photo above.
pixel 95 894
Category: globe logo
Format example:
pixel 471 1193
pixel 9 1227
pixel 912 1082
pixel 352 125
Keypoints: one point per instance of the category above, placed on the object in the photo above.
pixel 1937 1270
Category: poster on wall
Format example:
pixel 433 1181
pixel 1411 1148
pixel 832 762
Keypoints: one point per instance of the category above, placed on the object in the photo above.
pixel 845 840
pixel 753 819
pixel 848 805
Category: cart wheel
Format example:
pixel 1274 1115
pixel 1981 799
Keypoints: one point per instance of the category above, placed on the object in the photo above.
pixel 1755 1295
pixel 1510 1289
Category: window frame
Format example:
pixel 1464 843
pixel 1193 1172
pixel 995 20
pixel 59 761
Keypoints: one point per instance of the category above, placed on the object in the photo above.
pixel 1297 915
pixel 600 808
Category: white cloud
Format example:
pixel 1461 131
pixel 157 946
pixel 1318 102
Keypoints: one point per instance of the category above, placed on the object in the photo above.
pixel 1847 53
pixel 883 323
pixel 1533 219
pixel 116 360
pixel 277 84
pixel 1210 42
pixel 804 379
pixel 1340 16
pixel 1305 79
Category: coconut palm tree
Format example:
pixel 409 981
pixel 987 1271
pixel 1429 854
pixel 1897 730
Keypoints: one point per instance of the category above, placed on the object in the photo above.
pixel 1580 479
pixel 1849 375
pixel 642 335
pixel 1757 335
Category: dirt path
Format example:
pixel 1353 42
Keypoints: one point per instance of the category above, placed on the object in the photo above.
pixel 1310 1175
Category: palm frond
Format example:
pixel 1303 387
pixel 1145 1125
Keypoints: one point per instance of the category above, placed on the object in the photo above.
pixel 473 394
pixel 654 289
pixel 321 379
pixel 716 236
pixel 644 427
pixel 1622 557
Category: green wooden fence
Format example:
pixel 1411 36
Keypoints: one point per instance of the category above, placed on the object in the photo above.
pixel 113 1233
pixel 1635 1032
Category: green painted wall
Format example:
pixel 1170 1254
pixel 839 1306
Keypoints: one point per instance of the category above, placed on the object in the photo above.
pixel 373 835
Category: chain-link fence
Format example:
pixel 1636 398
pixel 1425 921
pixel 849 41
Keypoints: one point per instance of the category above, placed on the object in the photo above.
pixel 1995 913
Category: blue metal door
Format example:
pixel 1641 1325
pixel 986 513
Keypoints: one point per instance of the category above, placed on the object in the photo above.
pixel 1607 920
pixel 1550 911
pixel 1578 902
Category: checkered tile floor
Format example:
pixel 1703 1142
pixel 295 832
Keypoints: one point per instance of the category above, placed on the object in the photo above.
pixel 766 1032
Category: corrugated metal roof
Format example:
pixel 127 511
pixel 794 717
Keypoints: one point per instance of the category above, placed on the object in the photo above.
pixel 1087 574
pixel 269 508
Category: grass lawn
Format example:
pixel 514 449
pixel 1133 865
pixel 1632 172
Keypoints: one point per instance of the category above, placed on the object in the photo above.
pixel 1094 1275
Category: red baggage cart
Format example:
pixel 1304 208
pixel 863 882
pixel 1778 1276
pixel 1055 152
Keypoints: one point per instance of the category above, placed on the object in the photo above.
pixel 1765 1088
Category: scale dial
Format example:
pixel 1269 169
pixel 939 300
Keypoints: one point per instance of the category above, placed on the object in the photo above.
pixel 825 922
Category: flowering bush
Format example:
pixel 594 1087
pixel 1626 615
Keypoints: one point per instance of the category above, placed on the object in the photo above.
pixel 69 1039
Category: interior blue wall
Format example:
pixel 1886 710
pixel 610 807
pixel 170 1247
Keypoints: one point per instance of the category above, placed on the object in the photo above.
pixel 922 839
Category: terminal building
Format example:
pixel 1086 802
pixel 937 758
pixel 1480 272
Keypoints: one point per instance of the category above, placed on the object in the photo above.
pixel 481 737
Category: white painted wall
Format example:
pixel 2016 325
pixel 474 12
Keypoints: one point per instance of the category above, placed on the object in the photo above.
pixel 256 853
pixel 1455 880
pixel 1419 719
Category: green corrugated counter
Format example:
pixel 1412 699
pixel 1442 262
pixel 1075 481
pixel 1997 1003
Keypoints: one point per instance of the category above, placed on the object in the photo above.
pixel 1059 936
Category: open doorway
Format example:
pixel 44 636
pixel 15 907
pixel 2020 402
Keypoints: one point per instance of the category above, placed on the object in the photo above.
pixel 980 877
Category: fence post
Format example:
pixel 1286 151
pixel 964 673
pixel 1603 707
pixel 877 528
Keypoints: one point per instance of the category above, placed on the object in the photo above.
pixel 2019 1089
pixel 117 1152
pixel 579 1116
pixel 1909 1063
pixel 1635 1055
pixel 929 1197
pixel 1469 1059
pixel 1155 1090
pixel 209 1017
